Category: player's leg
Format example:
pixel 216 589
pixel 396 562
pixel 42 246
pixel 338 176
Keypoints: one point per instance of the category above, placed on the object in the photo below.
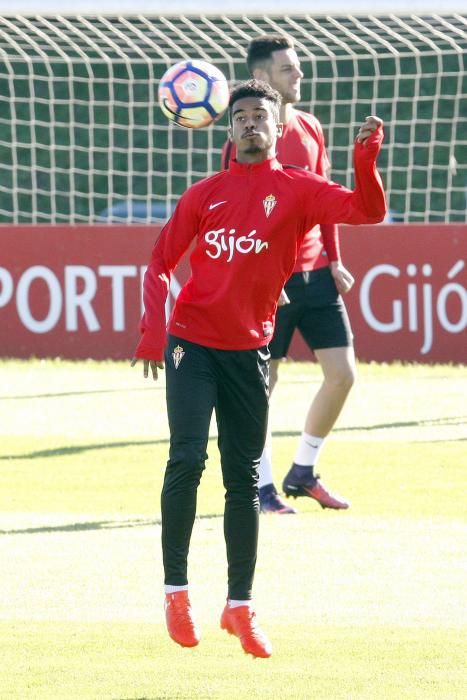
pixel 326 329
pixel 287 319
pixel 191 395
pixel 339 371
pixel 242 411
pixel 269 499
pixel 274 372
pixel 266 479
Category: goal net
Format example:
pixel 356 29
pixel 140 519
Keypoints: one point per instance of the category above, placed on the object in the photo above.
pixel 82 139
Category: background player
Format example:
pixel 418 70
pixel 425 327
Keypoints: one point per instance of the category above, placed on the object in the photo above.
pixel 316 308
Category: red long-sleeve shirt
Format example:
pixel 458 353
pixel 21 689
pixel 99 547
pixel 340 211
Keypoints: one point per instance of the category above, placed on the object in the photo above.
pixel 248 223
pixel 302 144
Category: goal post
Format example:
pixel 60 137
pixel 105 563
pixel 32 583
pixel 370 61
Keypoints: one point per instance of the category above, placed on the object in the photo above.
pixel 82 139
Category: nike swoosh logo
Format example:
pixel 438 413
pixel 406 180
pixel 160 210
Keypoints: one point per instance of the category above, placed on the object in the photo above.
pixel 217 204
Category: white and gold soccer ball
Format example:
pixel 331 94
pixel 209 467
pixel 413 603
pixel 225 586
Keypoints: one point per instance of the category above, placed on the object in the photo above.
pixel 193 93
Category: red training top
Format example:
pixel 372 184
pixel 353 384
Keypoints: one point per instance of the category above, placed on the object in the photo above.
pixel 302 144
pixel 248 223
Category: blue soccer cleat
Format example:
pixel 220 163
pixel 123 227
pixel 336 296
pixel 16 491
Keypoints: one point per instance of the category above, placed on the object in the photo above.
pixel 271 502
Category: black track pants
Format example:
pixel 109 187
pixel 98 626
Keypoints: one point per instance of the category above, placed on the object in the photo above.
pixel 235 385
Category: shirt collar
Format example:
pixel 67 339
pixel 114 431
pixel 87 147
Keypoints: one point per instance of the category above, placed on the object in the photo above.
pixel 265 166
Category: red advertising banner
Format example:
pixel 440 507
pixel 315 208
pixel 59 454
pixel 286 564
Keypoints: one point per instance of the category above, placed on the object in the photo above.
pixel 72 291
pixel 409 301
pixel 75 291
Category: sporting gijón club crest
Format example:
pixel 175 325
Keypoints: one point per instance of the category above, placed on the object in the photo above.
pixel 269 203
pixel 177 355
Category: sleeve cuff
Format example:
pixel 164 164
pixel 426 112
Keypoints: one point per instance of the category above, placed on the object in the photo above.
pixel 149 348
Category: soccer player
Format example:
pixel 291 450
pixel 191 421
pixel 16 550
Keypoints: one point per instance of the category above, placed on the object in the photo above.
pixel 247 224
pixel 314 290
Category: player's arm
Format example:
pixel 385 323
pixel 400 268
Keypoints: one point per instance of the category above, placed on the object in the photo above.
pixel 330 232
pixel 368 195
pixel 342 277
pixel 173 241
pixel 366 204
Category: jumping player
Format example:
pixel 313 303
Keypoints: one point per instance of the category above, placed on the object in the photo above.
pixel 247 224
pixel 315 305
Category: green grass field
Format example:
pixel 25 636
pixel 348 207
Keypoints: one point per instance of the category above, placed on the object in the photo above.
pixel 363 605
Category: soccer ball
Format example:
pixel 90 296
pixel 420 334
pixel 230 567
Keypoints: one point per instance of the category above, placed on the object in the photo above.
pixel 193 94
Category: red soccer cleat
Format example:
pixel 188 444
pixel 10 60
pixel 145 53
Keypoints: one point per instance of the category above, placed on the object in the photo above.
pixel 325 498
pixel 300 482
pixel 179 618
pixel 241 622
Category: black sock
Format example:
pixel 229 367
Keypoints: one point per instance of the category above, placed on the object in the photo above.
pixel 304 472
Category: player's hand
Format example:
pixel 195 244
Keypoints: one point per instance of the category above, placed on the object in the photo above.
pixel 343 280
pixel 283 299
pixel 153 364
pixel 368 127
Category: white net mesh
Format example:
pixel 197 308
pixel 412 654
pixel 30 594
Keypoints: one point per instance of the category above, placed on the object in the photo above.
pixel 82 140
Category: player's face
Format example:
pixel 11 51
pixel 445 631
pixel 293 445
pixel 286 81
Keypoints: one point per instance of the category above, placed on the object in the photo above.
pixel 284 74
pixel 254 129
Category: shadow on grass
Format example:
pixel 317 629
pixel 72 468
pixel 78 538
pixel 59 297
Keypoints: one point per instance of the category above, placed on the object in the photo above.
pixel 95 525
pixel 62 394
pixel 447 420
pixel 79 449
